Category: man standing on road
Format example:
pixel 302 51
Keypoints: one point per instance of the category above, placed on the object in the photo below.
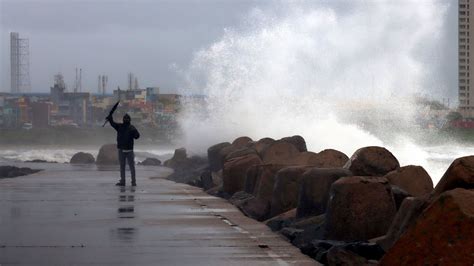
pixel 126 133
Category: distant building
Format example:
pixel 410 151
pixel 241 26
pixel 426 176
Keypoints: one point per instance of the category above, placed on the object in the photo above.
pixel 40 114
pixel 19 64
pixel 70 107
pixel 465 57
pixel 152 94
pixel 124 95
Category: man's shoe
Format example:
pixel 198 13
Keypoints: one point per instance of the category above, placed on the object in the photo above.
pixel 120 184
pixel 134 184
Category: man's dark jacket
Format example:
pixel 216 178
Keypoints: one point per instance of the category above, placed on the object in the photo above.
pixel 126 133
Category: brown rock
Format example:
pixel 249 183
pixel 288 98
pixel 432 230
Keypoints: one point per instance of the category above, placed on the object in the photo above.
pixel 331 159
pixel 399 195
pixel 409 211
pixel 82 158
pixel 360 208
pixel 239 153
pixel 241 142
pixel 282 220
pixel 413 179
pixel 151 162
pixel 235 172
pixel 314 189
pixel 339 256
pixel 266 181
pixel 372 161
pixel 255 208
pixel 460 174
pixel 286 189
pixel 215 159
pixel 324 159
pixel 305 158
pixel 297 141
pixel 206 180
pixel 217 178
pixel 179 157
pixel 280 152
pixel 224 152
pixel 263 177
pixel 108 155
pixel 251 179
pixel 262 144
pixel 442 235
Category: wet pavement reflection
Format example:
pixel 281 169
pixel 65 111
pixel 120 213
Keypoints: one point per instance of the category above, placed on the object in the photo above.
pixel 126 210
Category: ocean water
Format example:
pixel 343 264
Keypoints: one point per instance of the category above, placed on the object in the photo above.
pixel 64 154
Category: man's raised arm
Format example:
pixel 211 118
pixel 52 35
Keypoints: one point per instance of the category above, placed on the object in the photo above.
pixel 112 122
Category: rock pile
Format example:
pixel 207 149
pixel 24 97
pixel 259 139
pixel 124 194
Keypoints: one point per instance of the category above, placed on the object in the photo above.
pixel 13 171
pixel 108 155
pixel 82 158
pixel 187 169
pixel 150 162
pixel 361 210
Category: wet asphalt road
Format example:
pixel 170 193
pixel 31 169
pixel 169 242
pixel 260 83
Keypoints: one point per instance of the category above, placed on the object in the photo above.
pixel 73 215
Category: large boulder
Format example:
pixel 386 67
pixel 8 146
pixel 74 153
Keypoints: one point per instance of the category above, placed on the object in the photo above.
pixel 460 174
pixel 314 189
pixel 241 142
pixel 409 211
pixel 297 141
pixel 286 189
pixel 413 179
pixel 442 235
pixel 338 255
pixel 360 208
pixel 280 152
pixel 235 172
pixel 7 171
pixel 399 195
pixel 82 158
pixel 260 179
pixel 108 155
pixel 214 156
pixel 179 158
pixel 255 208
pixel 325 159
pixel 372 161
pixel 206 180
pixel 150 162
pixel 225 151
pixel 305 158
pixel 330 158
pixel 282 220
pixel 239 153
pixel 262 144
pixel 265 181
pixel 252 178
pixel 364 251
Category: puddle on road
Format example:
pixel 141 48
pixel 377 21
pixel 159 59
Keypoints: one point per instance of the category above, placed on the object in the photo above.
pixel 126 234
pixel 126 198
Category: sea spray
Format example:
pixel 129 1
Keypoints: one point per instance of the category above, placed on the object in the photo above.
pixel 319 71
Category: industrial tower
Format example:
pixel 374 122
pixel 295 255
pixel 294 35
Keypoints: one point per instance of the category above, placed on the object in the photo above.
pixel 19 63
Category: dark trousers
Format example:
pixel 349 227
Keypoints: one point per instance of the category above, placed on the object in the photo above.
pixel 130 158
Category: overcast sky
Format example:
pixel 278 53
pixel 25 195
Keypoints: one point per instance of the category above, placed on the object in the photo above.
pixel 149 38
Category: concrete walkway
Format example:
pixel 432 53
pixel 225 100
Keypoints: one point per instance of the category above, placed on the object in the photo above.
pixel 70 215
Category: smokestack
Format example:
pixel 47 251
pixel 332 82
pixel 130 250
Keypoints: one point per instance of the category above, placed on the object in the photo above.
pixel 99 85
